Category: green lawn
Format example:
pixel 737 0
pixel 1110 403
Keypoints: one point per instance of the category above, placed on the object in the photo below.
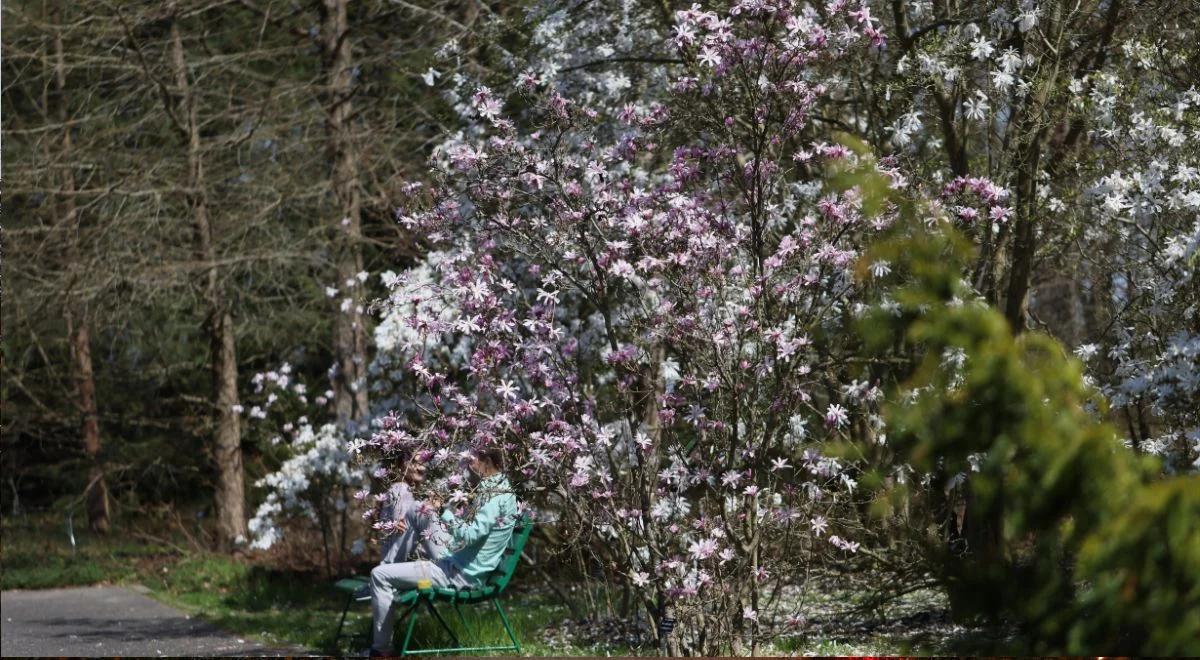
pixel 275 607
pixel 289 608
pixel 37 554
pixel 286 608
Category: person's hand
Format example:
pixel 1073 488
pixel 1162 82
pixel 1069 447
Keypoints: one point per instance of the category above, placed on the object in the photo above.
pixel 401 526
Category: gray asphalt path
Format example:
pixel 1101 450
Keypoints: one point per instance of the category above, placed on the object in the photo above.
pixel 95 621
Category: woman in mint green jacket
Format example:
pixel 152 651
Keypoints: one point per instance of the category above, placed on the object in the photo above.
pixel 464 548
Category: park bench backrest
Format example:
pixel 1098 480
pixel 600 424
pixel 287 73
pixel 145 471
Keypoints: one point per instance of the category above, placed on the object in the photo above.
pixel 503 572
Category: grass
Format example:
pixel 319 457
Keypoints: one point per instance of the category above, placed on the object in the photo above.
pixel 275 607
pixel 288 609
pixel 300 610
pixel 38 555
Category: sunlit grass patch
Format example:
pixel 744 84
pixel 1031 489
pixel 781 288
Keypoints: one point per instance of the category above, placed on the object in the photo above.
pixel 298 609
pixel 37 553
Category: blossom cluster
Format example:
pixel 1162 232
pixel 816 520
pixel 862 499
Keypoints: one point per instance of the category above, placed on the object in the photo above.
pixel 643 305
pixel 320 462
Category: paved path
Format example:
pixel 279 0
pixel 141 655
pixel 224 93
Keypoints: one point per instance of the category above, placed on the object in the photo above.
pixel 92 621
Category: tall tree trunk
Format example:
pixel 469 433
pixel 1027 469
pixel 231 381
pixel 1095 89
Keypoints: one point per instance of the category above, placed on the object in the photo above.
pixel 1024 238
pixel 350 339
pixel 230 498
pixel 85 387
pixel 78 321
pixel 230 495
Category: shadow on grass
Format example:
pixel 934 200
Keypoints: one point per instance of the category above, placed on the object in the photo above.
pixel 479 625
pixel 39 555
pixel 278 607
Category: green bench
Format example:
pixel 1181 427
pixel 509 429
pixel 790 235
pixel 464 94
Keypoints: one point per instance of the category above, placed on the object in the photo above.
pixel 491 589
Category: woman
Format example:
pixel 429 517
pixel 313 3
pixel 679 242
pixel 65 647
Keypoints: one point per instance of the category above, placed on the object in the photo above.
pixel 404 510
pixel 464 550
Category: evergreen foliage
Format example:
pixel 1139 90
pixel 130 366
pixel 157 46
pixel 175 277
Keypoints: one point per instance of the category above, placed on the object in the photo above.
pixel 1066 532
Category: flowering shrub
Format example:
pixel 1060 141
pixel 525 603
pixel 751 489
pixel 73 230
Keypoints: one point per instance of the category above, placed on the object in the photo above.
pixel 1086 116
pixel 642 282
pixel 653 321
pixel 1142 208
pixel 313 487
pixel 309 494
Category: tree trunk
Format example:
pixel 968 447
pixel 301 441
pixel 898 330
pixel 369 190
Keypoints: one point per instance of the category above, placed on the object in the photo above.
pixel 953 142
pixel 78 323
pixel 229 500
pixel 1024 236
pixel 98 511
pixel 350 339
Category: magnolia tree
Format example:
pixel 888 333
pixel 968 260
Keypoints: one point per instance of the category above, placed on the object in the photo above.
pixel 1143 231
pixel 310 494
pixel 313 485
pixel 1086 113
pixel 640 283
pixel 654 320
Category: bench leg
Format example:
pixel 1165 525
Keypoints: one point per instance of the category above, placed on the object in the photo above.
pixel 507 626
pixel 337 638
pixel 445 626
pixel 466 626
pixel 412 621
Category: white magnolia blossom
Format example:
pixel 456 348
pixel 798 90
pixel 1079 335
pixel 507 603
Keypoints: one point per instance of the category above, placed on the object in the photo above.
pixel 320 468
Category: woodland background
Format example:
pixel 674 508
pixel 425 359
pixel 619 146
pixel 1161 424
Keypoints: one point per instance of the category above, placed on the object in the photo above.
pixel 201 196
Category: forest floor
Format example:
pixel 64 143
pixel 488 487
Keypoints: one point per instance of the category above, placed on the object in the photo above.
pixel 273 608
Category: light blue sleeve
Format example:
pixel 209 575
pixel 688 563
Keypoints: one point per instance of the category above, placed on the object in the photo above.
pixel 468 533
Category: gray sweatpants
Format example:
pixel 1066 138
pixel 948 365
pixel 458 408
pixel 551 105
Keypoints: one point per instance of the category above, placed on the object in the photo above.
pixel 389 578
